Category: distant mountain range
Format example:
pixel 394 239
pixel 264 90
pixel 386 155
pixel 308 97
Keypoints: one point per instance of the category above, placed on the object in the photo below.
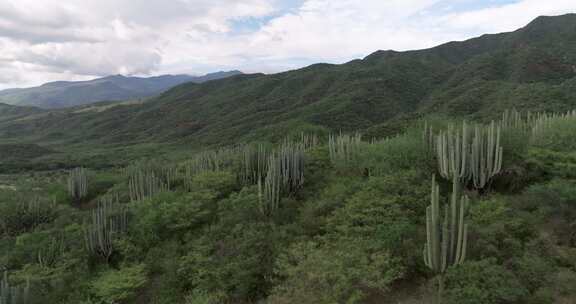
pixel 61 94
pixel 533 68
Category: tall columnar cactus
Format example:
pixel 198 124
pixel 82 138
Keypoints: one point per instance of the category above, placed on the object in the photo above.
pixel 78 183
pixel 108 221
pixel 486 154
pixel 545 121
pixel 143 185
pixel 469 155
pixel 269 193
pixel 344 148
pixel 428 138
pixel 447 235
pixel 284 175
pixel 13 294
pixel 254 163
pixel 452 153
pixel 48 257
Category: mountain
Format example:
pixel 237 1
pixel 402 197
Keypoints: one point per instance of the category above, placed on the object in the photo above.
pixel 533 68
pixel 60 94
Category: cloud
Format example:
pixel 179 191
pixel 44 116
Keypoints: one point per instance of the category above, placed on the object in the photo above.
pixel 76 39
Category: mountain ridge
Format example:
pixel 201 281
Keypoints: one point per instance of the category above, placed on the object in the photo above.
pixel 61 94
pixel 532 68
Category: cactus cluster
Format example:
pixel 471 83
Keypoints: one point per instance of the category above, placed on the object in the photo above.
pixel 29 213
pixel 108 221
pixel 144 184
pixel 452 153
pixel 486 155
pixel 543 121
pixel 447 234
pixel 209 161
pixel 285 174
pixel 13 294
pixel 254 164
pixel 344 148
pixel 48 257
pixel 468 154
pixel 78 183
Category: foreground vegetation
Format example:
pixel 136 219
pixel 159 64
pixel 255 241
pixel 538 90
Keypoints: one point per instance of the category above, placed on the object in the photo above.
pixel 308 219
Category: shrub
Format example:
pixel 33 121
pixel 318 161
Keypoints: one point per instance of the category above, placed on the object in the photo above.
pixel 115 286
pixel 219 182
pixel 559 135
pixel 498 230
pixel 168 213
pixel 483 282
pixel 333 273
pixel 403 152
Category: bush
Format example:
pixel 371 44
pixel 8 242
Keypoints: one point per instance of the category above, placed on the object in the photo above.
pixel 385 211
pixel 483 282
pixel 235 261
pixel 115 286
pixel 533 271
pixel 547 164
pixel 559 136
pixel 403 152
pixel 219 182
pixel 496 230
pixel 333 273
pixel 170 213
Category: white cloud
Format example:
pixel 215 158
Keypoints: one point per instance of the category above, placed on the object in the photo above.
pixel 75 39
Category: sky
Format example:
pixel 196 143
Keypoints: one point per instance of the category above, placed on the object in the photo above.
pixel 48 40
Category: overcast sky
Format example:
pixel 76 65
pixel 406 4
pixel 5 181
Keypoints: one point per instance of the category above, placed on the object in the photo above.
pixel 47 40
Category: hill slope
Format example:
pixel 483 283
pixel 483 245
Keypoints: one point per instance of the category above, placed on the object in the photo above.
pixel 531 68
pixel 61 94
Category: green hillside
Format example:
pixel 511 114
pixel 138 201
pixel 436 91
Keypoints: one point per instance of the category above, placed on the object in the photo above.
pixel 438 176
pixel 532 68
pixel 61 94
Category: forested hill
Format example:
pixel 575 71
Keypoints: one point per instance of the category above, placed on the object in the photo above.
pixel 531 68
pixel 60 94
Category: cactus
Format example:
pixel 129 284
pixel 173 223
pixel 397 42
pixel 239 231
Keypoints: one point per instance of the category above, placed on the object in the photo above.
pixel 108 222
pixel 143 185
pixel 544 122
pixel 13 294
pixel 48 257
pixel 285 174
pixel 269 193
pixel 78 183
pixel 447 236
pixel 466 156
pixel 486 155
pixel 254 164
pixel 344 148
pixel 452 153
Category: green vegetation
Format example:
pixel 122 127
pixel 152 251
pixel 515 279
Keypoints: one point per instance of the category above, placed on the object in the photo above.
pixel 310 186
pixel 311 219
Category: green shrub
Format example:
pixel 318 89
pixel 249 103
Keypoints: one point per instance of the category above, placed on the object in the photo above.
pixel 403 152
pixel 533 271
pixel 169 213
pixel 333 273
pixel 114 286
pixel 483 282
pixel 497 230
pixel 385 211
pixel 202 297
pixel 559 136
pixel 219 182
pixel 546 164
pixel 235 260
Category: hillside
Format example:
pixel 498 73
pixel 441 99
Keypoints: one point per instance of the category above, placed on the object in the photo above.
pixel 257 189
pixel 60 94
pixel 533 68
